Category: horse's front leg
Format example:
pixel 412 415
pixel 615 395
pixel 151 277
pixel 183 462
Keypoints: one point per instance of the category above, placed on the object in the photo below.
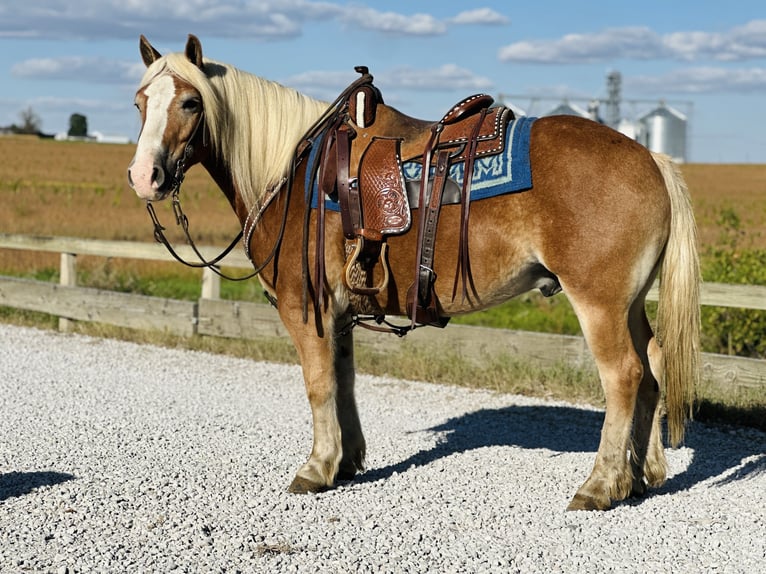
pixel 327 361
pixel 352 438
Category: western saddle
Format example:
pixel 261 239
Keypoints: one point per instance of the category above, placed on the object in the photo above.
pixel 359 165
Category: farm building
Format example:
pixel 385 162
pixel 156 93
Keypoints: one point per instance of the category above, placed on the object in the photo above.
pixel 97 137
pixel 661 129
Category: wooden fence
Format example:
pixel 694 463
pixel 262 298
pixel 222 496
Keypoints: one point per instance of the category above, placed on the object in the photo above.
pixel 210 315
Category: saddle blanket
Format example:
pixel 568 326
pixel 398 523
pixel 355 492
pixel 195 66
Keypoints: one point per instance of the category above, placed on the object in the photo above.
pixel 506 172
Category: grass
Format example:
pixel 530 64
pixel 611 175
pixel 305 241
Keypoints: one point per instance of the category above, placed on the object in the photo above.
pixel 528 312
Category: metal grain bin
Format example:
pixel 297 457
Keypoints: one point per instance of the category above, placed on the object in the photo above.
pixel 568 109
pixel 664 131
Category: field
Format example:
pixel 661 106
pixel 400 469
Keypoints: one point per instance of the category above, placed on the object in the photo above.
pixel 80 189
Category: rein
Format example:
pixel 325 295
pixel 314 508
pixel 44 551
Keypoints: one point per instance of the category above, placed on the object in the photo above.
pixel 183 221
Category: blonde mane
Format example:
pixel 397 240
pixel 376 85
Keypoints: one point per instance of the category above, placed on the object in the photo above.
pixel 254 124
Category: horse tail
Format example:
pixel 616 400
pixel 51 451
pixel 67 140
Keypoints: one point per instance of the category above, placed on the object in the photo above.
pixel 678 313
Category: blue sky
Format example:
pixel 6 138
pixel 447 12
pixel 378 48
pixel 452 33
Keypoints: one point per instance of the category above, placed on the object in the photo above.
pixel 705 58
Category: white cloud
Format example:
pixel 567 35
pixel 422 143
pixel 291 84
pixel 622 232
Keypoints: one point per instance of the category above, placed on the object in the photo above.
pixel 394 23
pixel 320 79
pixel 320 84
pixel 633 42
pixel 258 19
pixel 484 16
pixel 701 80
pixel 84 104
pixel 641 43
pixel 253 19
pixel 446 77
pixel 92 69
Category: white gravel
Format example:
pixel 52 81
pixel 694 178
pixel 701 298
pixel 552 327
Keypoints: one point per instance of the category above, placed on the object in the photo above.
pixel 116 457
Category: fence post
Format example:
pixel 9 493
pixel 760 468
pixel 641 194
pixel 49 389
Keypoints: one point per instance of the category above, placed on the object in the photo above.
pixel 211 284
pixel 67 278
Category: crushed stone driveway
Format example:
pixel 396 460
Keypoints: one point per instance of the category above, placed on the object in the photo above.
pixel 118 457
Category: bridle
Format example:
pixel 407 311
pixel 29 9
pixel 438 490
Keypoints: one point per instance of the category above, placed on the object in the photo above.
pixel 183 221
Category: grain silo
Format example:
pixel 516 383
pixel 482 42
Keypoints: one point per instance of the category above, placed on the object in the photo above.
pixel 566 108
pixel 664 130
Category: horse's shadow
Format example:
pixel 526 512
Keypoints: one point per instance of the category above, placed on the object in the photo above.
pixel 568 429
pixel 20 483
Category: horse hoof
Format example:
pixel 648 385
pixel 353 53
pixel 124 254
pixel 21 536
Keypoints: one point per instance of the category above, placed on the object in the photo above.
pixel 639 489
pixel 346 475
pixel 582 502
pixel 302 485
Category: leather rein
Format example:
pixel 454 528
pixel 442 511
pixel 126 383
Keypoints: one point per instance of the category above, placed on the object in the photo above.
pixel 183 221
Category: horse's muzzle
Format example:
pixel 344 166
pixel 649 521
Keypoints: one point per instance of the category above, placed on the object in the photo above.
pixel 151 184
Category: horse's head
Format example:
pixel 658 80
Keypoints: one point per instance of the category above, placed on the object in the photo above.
pixel 172 127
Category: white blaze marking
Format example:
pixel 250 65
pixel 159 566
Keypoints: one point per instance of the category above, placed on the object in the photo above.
pixel 159 95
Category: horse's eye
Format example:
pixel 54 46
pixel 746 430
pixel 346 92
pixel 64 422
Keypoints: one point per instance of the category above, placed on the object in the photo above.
pixel 191 105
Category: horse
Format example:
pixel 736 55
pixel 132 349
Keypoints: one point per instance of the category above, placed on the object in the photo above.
pixel 603 218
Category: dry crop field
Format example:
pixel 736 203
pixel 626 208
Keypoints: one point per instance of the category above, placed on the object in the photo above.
pixel 80 189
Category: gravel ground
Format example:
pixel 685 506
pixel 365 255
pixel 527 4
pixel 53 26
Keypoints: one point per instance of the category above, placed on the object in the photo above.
pixel 116 457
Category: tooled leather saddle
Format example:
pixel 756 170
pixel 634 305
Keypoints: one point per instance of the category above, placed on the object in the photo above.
pixel 358 164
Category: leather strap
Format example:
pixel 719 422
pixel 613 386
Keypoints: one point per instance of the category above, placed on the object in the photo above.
pixel 319 262
pixel 348 194
pixel 425 270
pixel 413 293
pixel 463 262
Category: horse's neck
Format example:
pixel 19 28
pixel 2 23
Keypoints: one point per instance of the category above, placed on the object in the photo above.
pixel 222 176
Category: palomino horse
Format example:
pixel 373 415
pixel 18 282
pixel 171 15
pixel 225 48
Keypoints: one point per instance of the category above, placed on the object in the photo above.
pixel 602 219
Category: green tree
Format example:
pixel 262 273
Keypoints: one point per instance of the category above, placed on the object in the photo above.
pixel 78 126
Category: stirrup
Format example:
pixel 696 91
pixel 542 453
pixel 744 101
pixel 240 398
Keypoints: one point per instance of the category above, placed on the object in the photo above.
pixel 347 269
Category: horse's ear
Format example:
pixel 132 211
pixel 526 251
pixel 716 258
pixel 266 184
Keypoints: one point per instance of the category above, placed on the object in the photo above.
pixel 194 50
pixel 148 53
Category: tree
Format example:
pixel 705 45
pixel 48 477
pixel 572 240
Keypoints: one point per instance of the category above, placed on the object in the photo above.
pixel 30 122
pixel 78 126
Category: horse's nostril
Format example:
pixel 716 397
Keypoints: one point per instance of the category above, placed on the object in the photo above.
pixel 130 179
pixel 158 177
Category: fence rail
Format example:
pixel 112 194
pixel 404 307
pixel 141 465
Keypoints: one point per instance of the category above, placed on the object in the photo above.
pixel 210 315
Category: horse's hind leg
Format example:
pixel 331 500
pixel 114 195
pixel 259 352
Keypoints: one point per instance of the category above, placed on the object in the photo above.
pixel 621 370
pixel 648 456
pixel 327 361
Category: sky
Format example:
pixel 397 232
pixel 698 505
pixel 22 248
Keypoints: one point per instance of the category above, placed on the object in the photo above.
pixel 706 59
